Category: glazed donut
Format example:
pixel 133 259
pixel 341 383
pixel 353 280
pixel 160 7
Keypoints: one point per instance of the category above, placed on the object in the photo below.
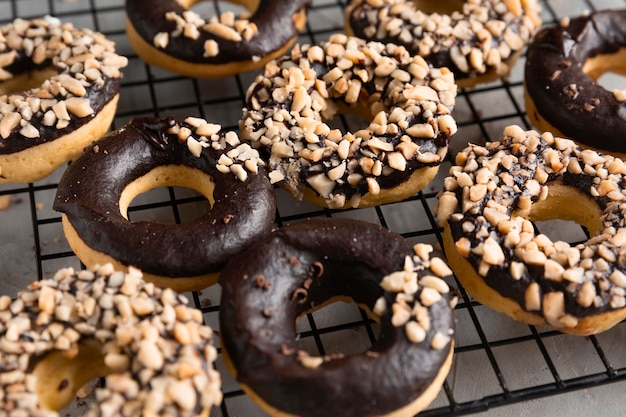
pixel 59 92
pixel 61 333
pixel 486 208
pixel 478 44
pixel 406 102
pixel 169 35
pixel 310 264
pixel 95 191
pixel 561 92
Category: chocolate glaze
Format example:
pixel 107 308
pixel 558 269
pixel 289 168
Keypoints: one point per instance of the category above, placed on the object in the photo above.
pixel 274 20
pixel 90 189
pixel 257 322
pixel 98 95
pixel 154 130
pixel 589 114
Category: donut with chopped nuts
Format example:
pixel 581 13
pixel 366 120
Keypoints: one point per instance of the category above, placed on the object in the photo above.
pixel 96 190
pixel 561 92
pixel 479 42
pixel 488 204
pixel 60 88
pixel 406 104
pixel 307 265
pixel 171 36
pixel 152 349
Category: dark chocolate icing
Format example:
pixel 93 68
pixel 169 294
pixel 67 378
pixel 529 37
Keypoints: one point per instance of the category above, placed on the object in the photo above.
pixel 90 189
pixel 273 18
pixel 257 320
pixel 566 97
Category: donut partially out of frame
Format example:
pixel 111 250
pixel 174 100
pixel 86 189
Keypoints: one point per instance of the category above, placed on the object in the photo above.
pixel 487 206
pixel 152 349
pixel 307 265
pixel 59 88
pixel 479 42
pixel 561 90
pixel 169 35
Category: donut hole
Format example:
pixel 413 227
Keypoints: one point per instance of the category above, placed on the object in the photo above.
pixel 443 7
pixel 26 80
pixel 61 374
pixel 167 176
pixel 568 204
pixel 609 70
pixel 359 117
pixel 562 230
pixel 347 332
pixel 612 81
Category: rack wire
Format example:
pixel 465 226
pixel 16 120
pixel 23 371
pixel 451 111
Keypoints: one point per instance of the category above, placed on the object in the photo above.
pixel 497 361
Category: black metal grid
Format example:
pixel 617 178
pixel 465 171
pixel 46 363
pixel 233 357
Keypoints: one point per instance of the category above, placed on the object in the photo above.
pixel 497 361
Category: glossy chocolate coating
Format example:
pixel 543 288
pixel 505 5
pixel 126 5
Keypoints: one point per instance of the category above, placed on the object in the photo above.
pixel 273 18
pixel 90 189
pixel 330 257
pixel 566 97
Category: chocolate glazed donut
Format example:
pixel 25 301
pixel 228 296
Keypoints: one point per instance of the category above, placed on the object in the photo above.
pixel 478 43
pixel 562 95
pixel 307 265
pixel 160 33
pixel 59 88
pixel 91 189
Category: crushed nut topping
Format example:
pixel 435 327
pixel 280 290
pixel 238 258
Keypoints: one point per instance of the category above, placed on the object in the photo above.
pixel 495 234
pixel 237 157
pixel 479 38
pixel 408 104
pixel 160 351
pixel 417 287
pixel 191 25
pixel 84 61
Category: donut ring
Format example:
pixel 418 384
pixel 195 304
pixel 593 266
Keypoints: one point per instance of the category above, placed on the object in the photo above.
pixel 407 103
pixel 561 92
pixel 169 35
pixel 96 190
pixel 75 79
pixel 478 44
pixel 486 209
pixel 310 264
pixel 60 333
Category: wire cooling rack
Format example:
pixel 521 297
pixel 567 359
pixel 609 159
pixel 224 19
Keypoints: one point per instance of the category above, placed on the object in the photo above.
pixel 500 367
